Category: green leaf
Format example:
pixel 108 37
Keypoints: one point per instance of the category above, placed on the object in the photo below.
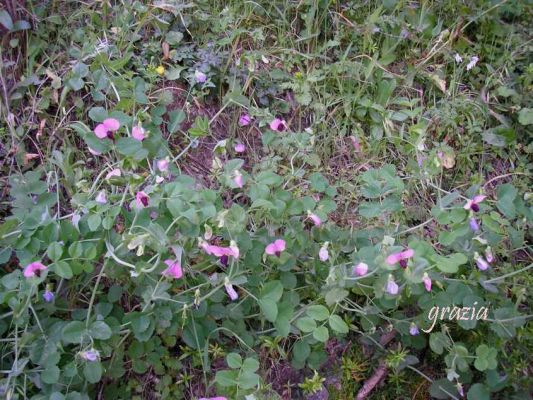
pixel 62 268
pixel 335 295
pixel 269 308
pixel 306 324
pixel 173 37
pixel 321 334
pixel 93 371
pixel 451 263
pixel 438 342
pixel 506 194
pixel 337 324
pixel 525 116
pixel 478 391
pixel 301 350
pixel 234 360
pixel 200 127
pixel 98 114
pixel 442 388
pixel 50 375
pixel 250 364
pixel 128 146
pixel 5 19
pixel 317 312
pixel 272 290
pixel 227 378
pixel 73 332
pixel 100 330
pixel 54 251
pixel 94 221
pixel 175 118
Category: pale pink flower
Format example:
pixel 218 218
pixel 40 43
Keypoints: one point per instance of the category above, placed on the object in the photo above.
pixel 473 204
pixel 360 269
pixel 174 269
pixel 199 76
pixel 244 120
pixel 142 199
pixel 315 218
pixel 163 164
pixel 278 125
pixel 427 282
pixel 101 197
pixel 237 179
pixel 276 247
pixel 472 63
pixel 400 257
pixel 232 293
pixel 114 172
pixel 34 269
pixel 112 124
pixel 159 179
pixel 240 148
pixel 109 125
pixel 137 133
pixel 100 131
pixel 323 253
pixel 391 287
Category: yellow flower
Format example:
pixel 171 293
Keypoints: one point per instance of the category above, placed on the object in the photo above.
pixel 160 70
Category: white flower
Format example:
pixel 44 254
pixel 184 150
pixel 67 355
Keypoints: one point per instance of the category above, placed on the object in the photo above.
pixel 458 58
pixel 472 63
pixel 101 197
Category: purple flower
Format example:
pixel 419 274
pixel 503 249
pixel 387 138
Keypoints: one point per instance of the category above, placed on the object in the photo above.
pixel 101 197
pixel 199 76
pixel 473 224
pixel 413 330
pixel 232 293
pixel 90 355
pixel 473 204
pixel 244 120
pixel 323 254
pixel 391 287
pixel 480 261
pixel 240 148
pixel 48 296
pixel 142 199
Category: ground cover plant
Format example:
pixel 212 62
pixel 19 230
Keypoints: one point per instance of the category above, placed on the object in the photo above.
pixel 265 199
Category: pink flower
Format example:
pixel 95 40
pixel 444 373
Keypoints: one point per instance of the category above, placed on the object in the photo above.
pixel 137 133
pixel 400 257
pixel 427 282
pixel 34 269
pixel 115 172
pixel 101 197
pixel 240 148
pixel 323 253
pixel 174 269
pixel 199 76
pixel 219 251
pixel 473 204
pixel 213 398
pixel 109 125
pixel 278 125
pixel 480 261
pixel 162 165
pixel 141 199
pixel 392 287
pixel 244 120
pixel 276 247
pixel 360 269
pixel 315 218
pixel 237 179
pixel 232 293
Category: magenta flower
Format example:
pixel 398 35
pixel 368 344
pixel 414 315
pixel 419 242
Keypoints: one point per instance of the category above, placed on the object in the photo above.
pixel 473 224
pixel 219 251
pixel 115 172
pixel 400 257
pixel 276 247
pixel 473 204
pixel 278 125
pixel 213 398
pixel 244 120
pixel 162 165
pixel 480 261
pixel 427 282
pixel 240 148
pixel 199 76
pixel 106 128
pixel 315 218
pixel 90 355
pixel 138 133
pixel 232 293
pixel 391 287
pixel 488 254
pixel 413 330
pixel 34 269
pixel 323 253
pixel 142 199
pixel 101 197
pixel 360 269
pixel 174 269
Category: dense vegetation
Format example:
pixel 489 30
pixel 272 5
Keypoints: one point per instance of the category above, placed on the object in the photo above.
pixel 265 199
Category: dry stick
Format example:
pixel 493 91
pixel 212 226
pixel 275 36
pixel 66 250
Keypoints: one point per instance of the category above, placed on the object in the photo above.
pixel 380 373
